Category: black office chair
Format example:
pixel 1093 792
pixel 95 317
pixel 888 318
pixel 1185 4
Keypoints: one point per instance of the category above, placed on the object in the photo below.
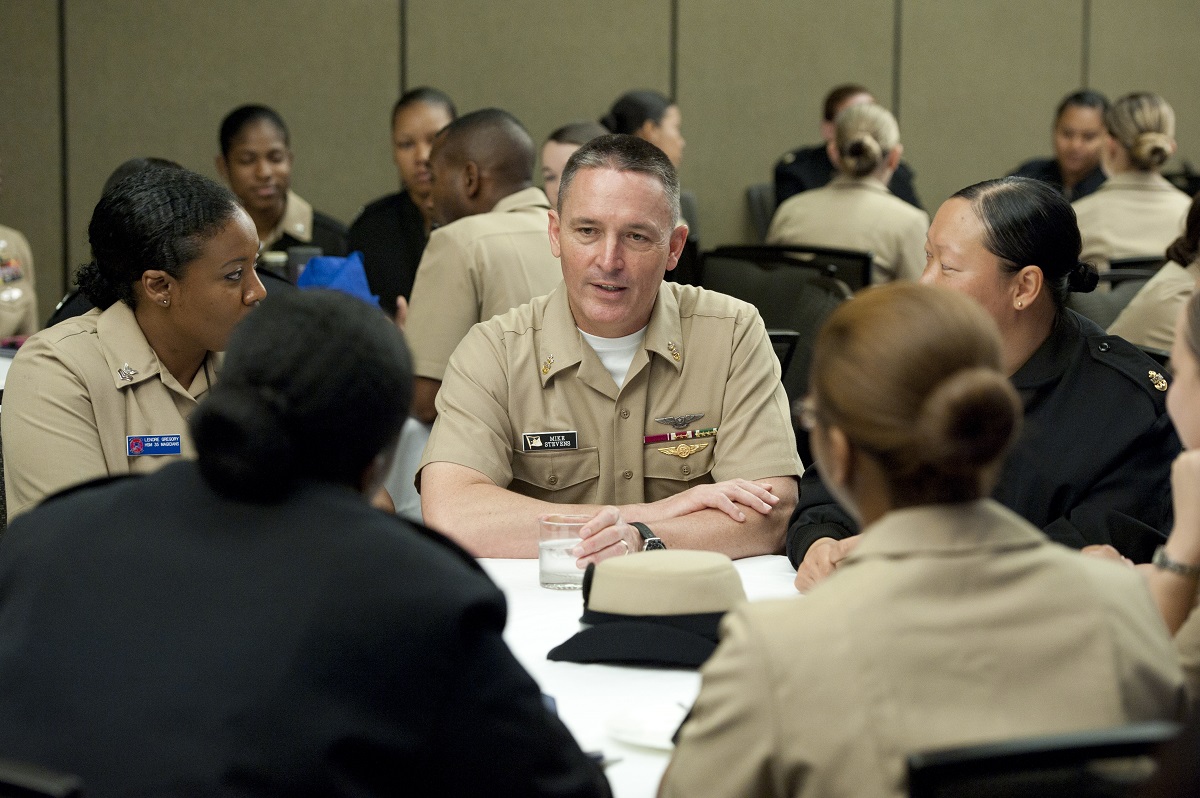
pixel 21 780
pixel 1105 763
pixel 849 266
pixel 760 198
pixel 784 342
pixel 1103 306
pixel 1150 263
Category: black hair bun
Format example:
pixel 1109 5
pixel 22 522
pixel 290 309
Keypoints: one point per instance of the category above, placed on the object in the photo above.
pixel 93 285
pixel 1083 278
pixel 244 449
pixel 610 122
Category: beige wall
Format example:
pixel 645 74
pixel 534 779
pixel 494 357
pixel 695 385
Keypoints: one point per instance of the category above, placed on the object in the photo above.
pixel 978 82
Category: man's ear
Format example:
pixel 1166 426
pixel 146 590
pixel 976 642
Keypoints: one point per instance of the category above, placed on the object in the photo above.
pixel 675 245
pixel 472 183
pixel 554 230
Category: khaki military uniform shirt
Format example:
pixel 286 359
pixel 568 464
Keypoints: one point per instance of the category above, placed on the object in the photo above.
pixel 950 625
pixel 1133 214
pixel 1149 318
pixel 297 222
pixel 18 299
pixel 525 383
pixel 475 268
pixel 74 393
pixel 860 214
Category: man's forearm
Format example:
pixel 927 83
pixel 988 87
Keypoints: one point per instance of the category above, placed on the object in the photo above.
pixel 713 530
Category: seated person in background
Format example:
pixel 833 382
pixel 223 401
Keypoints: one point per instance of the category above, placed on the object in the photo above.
pixel 18 295
pixel 1136 212
pixel 391 231
pixel 248 625
pixel 489 253
pixel 1078 140
pixel 810 167
pixel 256 162
pixel 1173 582
pixel 109 392
pixel 1092 462
pixel 955 621
pixel 559 146
pixel 1149 318
pixel 856 210
pixel 650 116
pixel 618 389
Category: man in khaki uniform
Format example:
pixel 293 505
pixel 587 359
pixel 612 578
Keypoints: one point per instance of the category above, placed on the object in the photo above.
pixel 18 302
pixel 490 253
pixel 617 388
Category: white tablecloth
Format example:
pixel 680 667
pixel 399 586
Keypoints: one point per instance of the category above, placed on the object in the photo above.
pixel 591 698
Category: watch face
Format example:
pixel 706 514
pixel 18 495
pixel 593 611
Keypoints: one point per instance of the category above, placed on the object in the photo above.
pixel 654 544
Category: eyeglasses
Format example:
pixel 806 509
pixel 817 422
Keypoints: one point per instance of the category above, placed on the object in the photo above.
pixel 808 412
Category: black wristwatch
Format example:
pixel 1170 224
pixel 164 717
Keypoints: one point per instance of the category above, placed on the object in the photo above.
pixel 650 541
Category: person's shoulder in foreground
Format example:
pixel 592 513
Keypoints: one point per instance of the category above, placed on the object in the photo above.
pixel 1070 642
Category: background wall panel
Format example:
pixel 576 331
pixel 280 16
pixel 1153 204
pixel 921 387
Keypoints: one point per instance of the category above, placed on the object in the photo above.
pixel 980 82
pixel 547 63
pixel 30 136
pixel 1147 47
pixel 752 76
pixel 155 77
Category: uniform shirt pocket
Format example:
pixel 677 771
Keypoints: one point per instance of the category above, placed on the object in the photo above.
pixel 556 476
pixel 668 474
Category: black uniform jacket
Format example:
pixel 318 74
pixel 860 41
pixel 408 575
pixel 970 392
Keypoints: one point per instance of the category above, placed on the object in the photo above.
pixel 157 638
pixel 1092 463
pixel 810 167
pixel 1047 170
pixel 390 234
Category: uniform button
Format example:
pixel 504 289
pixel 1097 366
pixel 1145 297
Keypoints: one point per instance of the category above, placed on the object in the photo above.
pixel 1104 346
pixel 687 470
pixel 628 475
pixel 553 480
pixel 624 413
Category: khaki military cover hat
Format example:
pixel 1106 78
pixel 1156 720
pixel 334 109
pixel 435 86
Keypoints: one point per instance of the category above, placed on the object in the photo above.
pixel 659 608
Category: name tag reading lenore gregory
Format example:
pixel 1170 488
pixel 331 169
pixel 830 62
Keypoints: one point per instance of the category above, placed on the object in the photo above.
pixel 151 445
pixel 549 441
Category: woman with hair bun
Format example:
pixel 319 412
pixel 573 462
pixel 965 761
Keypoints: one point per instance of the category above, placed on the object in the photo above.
pixel 1092 463
pixel 954 621
pixel 109 392
pixel 856 210
pixel 1149 318
pixel 250 625
pixel 1136 213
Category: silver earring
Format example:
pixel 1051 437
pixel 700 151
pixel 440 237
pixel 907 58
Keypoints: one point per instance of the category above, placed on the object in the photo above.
pixel 166 301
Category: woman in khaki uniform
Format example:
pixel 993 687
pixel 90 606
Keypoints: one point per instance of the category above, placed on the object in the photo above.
pixel 1136 212
pixel 954 621
pixel 109 392
pixel 856 210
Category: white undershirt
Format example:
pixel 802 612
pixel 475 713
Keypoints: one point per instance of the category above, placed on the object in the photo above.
pixel 616 353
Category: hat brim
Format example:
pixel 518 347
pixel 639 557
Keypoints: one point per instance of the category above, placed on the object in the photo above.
pixel 635 643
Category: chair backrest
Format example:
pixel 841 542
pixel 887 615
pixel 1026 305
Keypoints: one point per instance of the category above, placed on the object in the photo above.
pixel 1103 306
pixel 1087 764
pixel 784 343
pixel 760 198
pixel 21 780
pixel 1150 263
pixel 849 266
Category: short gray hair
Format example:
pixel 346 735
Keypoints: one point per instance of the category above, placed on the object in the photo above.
pixel 624 154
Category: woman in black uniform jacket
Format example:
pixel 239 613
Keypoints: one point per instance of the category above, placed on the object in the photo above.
pixel 1092 464
pixel 247 624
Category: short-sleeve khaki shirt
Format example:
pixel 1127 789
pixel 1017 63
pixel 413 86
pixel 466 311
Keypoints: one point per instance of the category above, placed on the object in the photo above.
pixel 525 379
pixel 1149 318
pixel 74 393
pixel 18 299
pixel 475 268
pixel 1133 214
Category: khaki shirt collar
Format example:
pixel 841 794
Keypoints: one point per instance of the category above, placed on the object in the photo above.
pixel 130 358
pixel 1137 181
pixel 868 182
pixel 525 198
pixel 297 221
pixel 561 346
pixel 982 525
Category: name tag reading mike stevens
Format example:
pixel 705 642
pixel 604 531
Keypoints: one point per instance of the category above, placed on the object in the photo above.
pixel 543 441
pixel 149 445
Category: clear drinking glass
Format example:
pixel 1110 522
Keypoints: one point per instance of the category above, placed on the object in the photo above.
pixel 558 534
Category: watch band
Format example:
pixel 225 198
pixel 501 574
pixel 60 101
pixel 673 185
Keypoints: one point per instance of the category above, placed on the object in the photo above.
pixel 650 541
pixel 1165 563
